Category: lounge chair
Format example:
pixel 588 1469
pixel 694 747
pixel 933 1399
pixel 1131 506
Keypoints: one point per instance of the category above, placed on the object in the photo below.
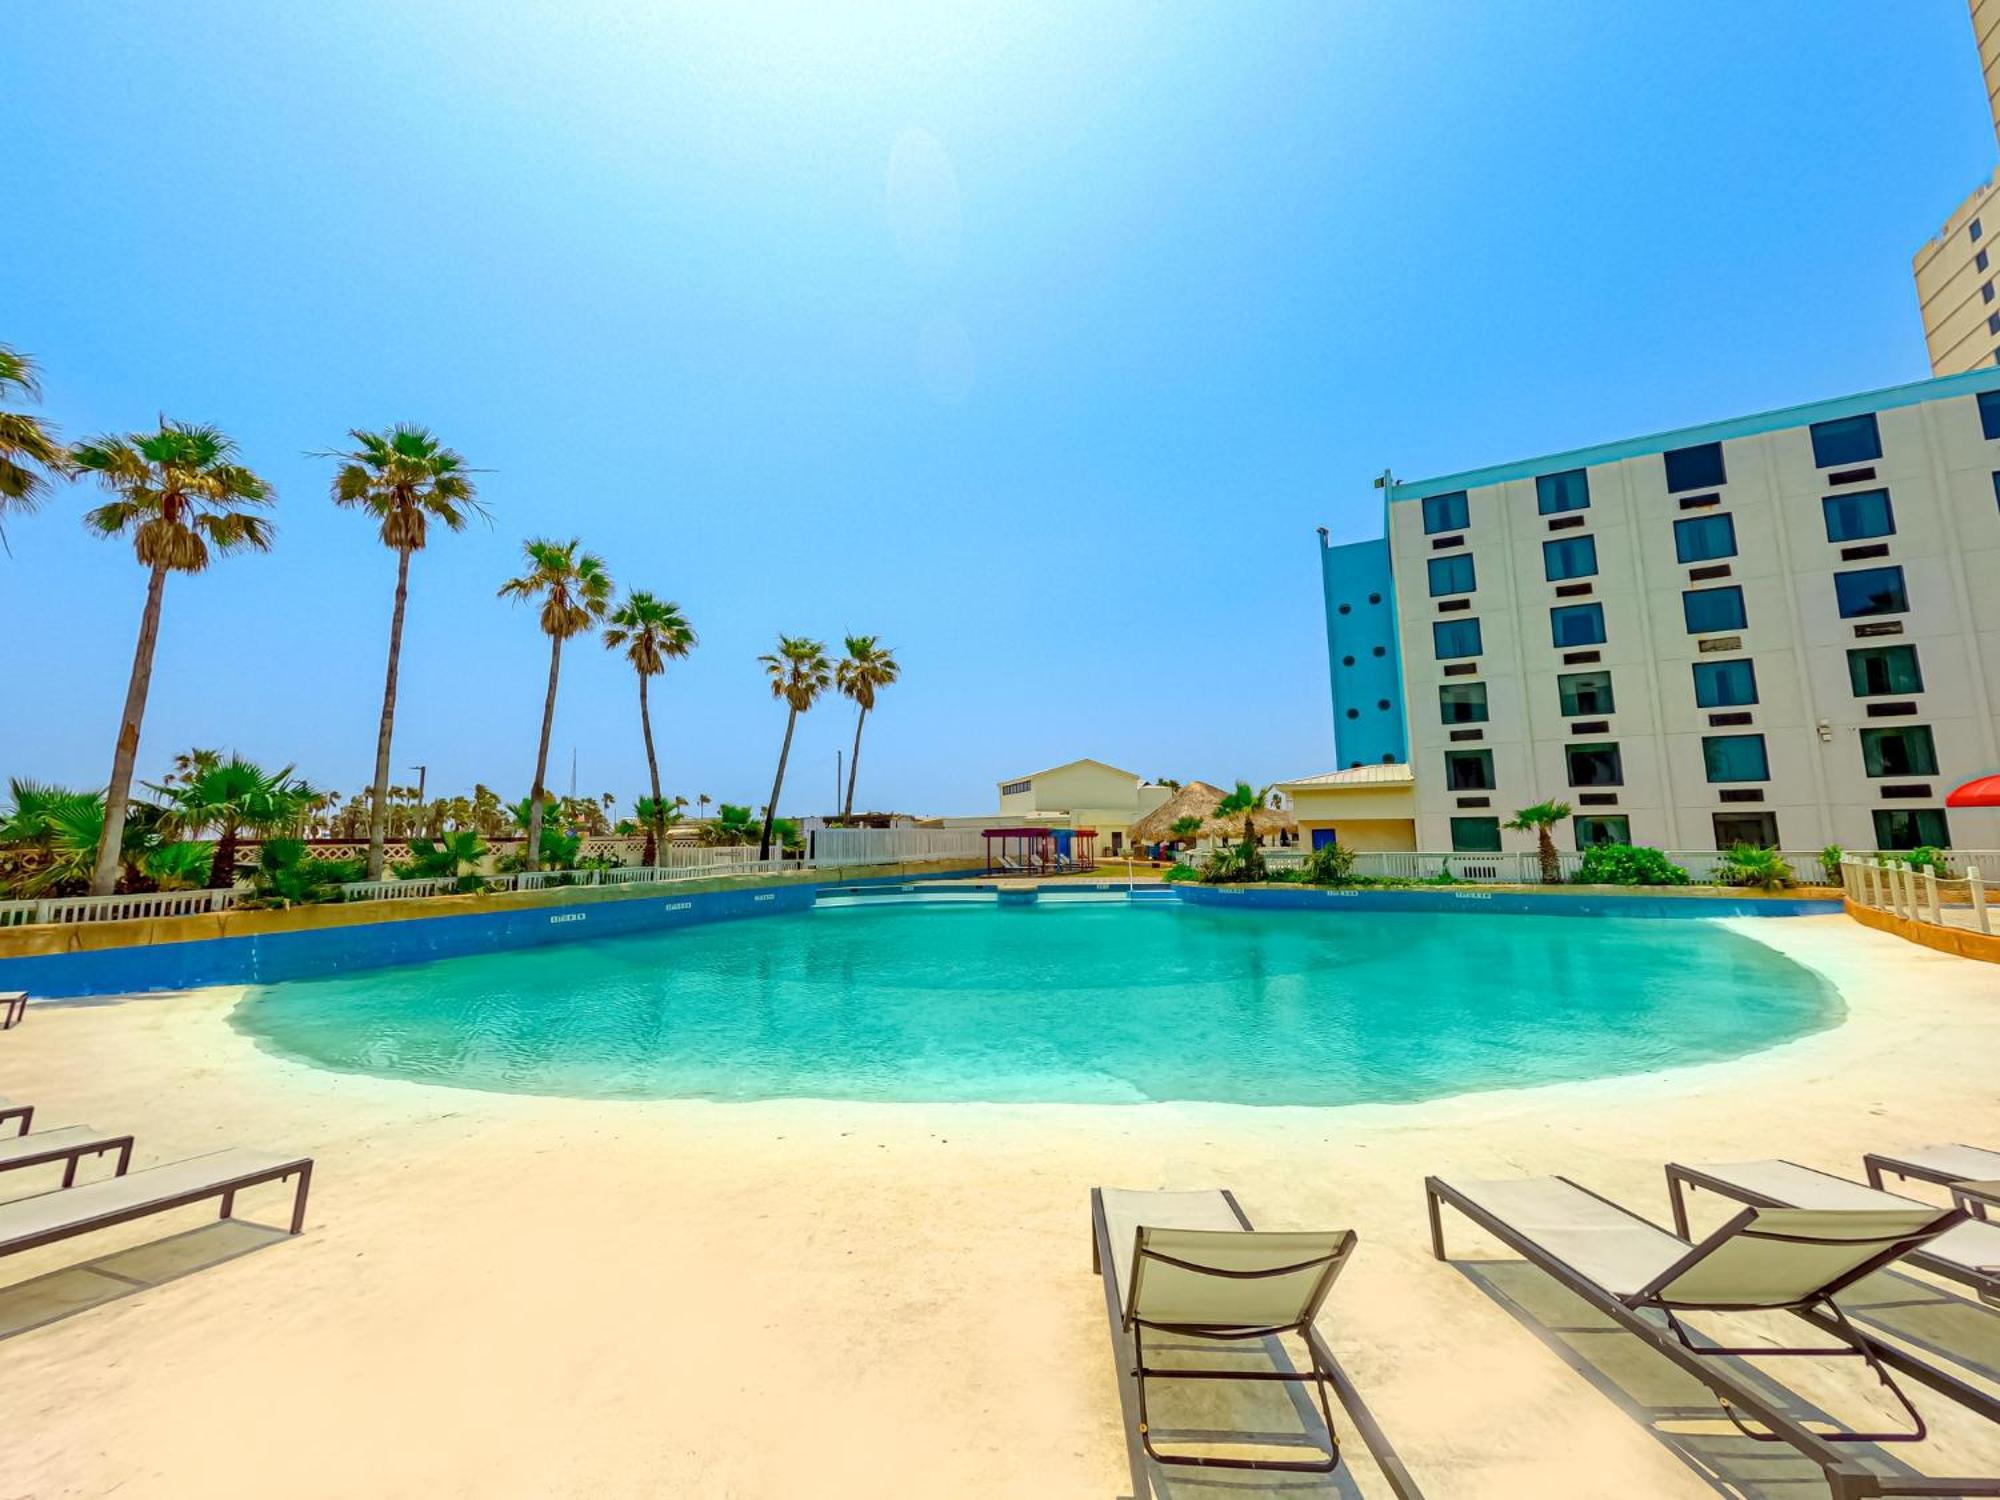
pixel 13 1006
pixel 27 1223
pixel 1188 1266
pixel 1763 1260
pixel 68 1145
pixel 1968 1253
pixel 22 1113
pixel 1944 1165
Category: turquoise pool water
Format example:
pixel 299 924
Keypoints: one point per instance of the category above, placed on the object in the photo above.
pixel 1084 1003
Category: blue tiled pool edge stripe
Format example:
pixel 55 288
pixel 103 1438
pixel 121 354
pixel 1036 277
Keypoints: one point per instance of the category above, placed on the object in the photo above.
pixel 1583 903
pixel 267 958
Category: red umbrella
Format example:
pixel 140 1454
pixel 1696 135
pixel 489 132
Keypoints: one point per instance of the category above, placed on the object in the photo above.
pixel 1981 791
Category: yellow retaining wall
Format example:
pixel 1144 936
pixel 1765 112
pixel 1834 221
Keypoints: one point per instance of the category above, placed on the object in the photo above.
pixel 91 937
pixel 1960 941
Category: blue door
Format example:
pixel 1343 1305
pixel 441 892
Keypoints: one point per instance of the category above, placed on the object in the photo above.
pixel 1322 837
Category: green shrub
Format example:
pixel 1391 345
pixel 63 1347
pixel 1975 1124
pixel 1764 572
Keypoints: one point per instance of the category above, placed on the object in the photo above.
pixel 285 876
pixel 1925 857
pixel 1183 871
pixel 1330 864
pixel 1746 864
pixel 1628 864
pixel 1829 862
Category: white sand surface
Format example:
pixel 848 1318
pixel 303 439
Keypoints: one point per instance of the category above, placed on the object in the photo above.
pixel 512 1296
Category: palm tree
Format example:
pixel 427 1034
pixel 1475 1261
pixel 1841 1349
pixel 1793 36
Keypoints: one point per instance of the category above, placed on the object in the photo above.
pixel 406 479
pixel 575 591
pixel 232 797
pixel 1249 801
pixel 799 673
pixel 180 494
pixel 1541 818
pixel 653 632
pixel 191 763
pixel 868 665
pixel 654 813
pixel 29 449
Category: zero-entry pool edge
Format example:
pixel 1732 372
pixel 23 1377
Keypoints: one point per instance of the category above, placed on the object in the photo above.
pixel 271 957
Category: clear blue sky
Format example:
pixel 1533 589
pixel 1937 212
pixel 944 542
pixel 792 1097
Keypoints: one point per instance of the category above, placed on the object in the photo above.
pixel 1035 338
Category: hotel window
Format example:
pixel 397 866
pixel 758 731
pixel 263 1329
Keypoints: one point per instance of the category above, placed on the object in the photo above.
pixel 1907 750
pixel 1475 835
pixel 1577 625
pixel 1591 831
pixel 1708 610
pixel 1468 770
pixel 1725 684
pixel 1455 638
pixel 1972 230
pixel 1462 703
pixel 1876 671
pixel 1856 517
pixel 1986 291
pixel 1980 260
pixel 1698 468
pixel 1569 557
pixel 1444 512
pixel 1989 413
pixel 1911 828
pixel 1758 829
pixel 1595 765
pixel 1704 538
pixel 1993 322
pixel 1846 440
pixel 1569 490
pixel 1735 757
pixel 1584 694
pixel 1870 591
pixel 1452 575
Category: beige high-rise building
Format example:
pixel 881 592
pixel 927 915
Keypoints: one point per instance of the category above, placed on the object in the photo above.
pixel 1955 271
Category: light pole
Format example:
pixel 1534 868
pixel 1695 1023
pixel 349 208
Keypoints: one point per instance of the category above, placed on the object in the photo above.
pixel 423 772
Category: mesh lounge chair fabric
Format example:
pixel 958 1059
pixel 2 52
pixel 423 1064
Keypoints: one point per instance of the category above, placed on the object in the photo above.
pixel 31 1221
pixel 1943 1163
pixel 1233 1303
pixel 69 1140
pixel 1972 1247
pixel 1598 1240
pixel 1601 1253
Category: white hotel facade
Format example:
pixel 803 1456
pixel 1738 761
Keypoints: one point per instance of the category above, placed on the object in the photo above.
pixel 1781 629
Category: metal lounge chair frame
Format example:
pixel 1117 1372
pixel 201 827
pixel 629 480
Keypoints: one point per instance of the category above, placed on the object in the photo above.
pixel 13 1007
pixel 1324 1373
pixel 1846 1478
pixel 22 1114
pixel 1877 1163
pixel 1681 1179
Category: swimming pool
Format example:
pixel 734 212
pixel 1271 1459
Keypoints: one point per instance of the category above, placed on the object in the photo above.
pixel 1048 1003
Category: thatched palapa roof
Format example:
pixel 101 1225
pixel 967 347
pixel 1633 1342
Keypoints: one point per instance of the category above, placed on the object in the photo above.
pixel 1195 800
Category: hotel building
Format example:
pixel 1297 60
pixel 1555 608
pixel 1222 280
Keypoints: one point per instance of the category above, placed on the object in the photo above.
pixel 1781 629
pixel 1955 270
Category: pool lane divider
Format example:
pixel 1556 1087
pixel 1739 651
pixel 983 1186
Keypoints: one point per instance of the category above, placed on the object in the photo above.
pixel 273 956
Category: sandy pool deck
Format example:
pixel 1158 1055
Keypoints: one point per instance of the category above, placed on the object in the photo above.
pixel 511 1296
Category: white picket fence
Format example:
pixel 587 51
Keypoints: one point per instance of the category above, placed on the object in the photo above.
pixel 889 846
pixel 1524 867
pixel 682 864
pixel 1891 885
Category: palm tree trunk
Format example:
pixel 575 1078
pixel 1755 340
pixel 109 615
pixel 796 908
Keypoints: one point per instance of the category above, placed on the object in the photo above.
pixel 656 824
pixel 378 816
pixel 222 869
pixel 542 757
pixel 771 812
pixel 1546 848
pixel 853 765
pixel 104 879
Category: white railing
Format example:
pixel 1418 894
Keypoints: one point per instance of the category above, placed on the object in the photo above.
pixel 888 846
pixel 1895 886
pixel 1524 866
pixel 683 864
pixel 1956 864
pixel 74 909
